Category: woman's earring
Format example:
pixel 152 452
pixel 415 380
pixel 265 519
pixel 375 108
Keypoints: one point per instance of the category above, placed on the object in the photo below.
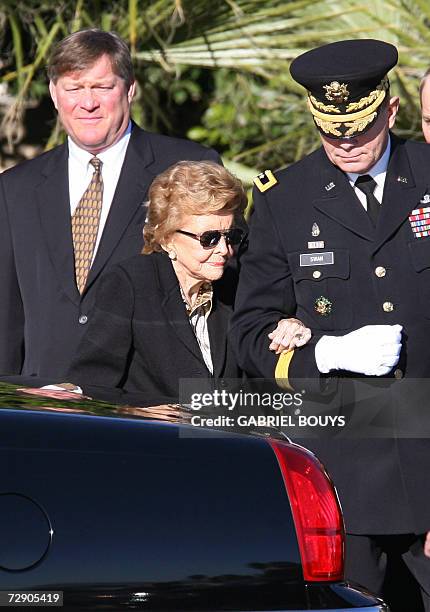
pixel 172 254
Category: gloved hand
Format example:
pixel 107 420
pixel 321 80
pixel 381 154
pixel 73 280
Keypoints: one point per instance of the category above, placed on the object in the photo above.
pixel 372 350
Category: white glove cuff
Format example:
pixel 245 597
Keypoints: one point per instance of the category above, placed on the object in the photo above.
pixel 325 354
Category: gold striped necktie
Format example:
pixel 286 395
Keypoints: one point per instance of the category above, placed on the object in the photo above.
pixel 85 224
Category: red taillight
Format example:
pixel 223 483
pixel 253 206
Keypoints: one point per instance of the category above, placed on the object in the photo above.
pixel 316 512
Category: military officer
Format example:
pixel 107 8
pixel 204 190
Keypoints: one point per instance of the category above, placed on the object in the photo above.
pixel 341 240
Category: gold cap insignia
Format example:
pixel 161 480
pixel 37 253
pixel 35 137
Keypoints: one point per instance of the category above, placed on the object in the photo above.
pixel 323 306
pixel 265 181
pixel 336 92
pixel 356 116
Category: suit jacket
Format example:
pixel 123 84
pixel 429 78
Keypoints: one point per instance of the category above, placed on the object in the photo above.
pixel 140 338
pixel 42 315
pixel 369 276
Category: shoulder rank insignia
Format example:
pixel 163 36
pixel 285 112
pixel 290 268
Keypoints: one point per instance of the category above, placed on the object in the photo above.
pixel 265 181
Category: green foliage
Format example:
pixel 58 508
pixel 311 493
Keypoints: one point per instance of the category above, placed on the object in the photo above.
pixel 257 122
pixel 216 71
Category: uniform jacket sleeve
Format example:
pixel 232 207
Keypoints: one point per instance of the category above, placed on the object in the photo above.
pixel 265 295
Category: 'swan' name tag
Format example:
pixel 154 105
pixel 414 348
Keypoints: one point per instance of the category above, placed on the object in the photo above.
pixel 317 259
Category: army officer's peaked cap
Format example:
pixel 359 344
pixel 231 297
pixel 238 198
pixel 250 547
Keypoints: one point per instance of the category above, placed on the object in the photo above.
pixel 347 83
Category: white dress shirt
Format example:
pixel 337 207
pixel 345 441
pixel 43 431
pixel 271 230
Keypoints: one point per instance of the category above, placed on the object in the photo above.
pixel 378 173
pixel 81 172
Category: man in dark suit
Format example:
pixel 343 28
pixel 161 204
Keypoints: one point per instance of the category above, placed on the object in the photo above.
pixel 341 240
pixel 70 213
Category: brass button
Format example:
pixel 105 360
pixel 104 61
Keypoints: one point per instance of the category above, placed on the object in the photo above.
pixel 316 274
pixel 380 271
pixel 398 374
pixel 388 306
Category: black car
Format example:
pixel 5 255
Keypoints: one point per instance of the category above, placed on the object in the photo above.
pixel 118 508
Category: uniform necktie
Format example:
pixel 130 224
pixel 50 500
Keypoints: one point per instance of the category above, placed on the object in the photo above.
pixel 367 185
pixel 85 224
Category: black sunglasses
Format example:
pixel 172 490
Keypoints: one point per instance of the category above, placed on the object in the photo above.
pixel 211 238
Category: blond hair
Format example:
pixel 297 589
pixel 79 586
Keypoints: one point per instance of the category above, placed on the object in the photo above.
pixel 189 188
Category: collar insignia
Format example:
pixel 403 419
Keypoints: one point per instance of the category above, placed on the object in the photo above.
pixel 402 179
pixel 330 186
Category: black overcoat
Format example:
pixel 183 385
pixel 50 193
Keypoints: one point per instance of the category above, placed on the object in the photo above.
pixel 140 338
pixel 42 315
pixel 383 483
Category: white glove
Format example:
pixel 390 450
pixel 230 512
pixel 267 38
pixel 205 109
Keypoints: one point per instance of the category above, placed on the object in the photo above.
pixel 71 388
pixel 372 350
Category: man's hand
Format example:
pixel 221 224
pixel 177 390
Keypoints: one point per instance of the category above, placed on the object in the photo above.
pixel 372 350
pixel 163 412
pixel 55 392
pixel 288 334
pixel 427 545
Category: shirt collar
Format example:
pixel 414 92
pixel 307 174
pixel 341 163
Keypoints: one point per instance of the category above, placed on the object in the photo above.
pixel 82 157
pixel 378 171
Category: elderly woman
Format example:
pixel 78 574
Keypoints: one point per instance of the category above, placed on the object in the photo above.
pixel 164 315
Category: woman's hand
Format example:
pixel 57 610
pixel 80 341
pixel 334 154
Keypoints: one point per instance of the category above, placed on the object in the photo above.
pixel 289 333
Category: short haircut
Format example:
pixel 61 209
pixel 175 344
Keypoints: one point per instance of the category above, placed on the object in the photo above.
pixel 189 188
pixel 423 81
pixel 82 49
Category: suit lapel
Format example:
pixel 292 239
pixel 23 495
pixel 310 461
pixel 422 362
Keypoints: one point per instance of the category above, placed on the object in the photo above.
pixel 217 324
pixel 401 195
pixel 130 193
pixel 339 202
pixel 54 209
pixel 174 307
